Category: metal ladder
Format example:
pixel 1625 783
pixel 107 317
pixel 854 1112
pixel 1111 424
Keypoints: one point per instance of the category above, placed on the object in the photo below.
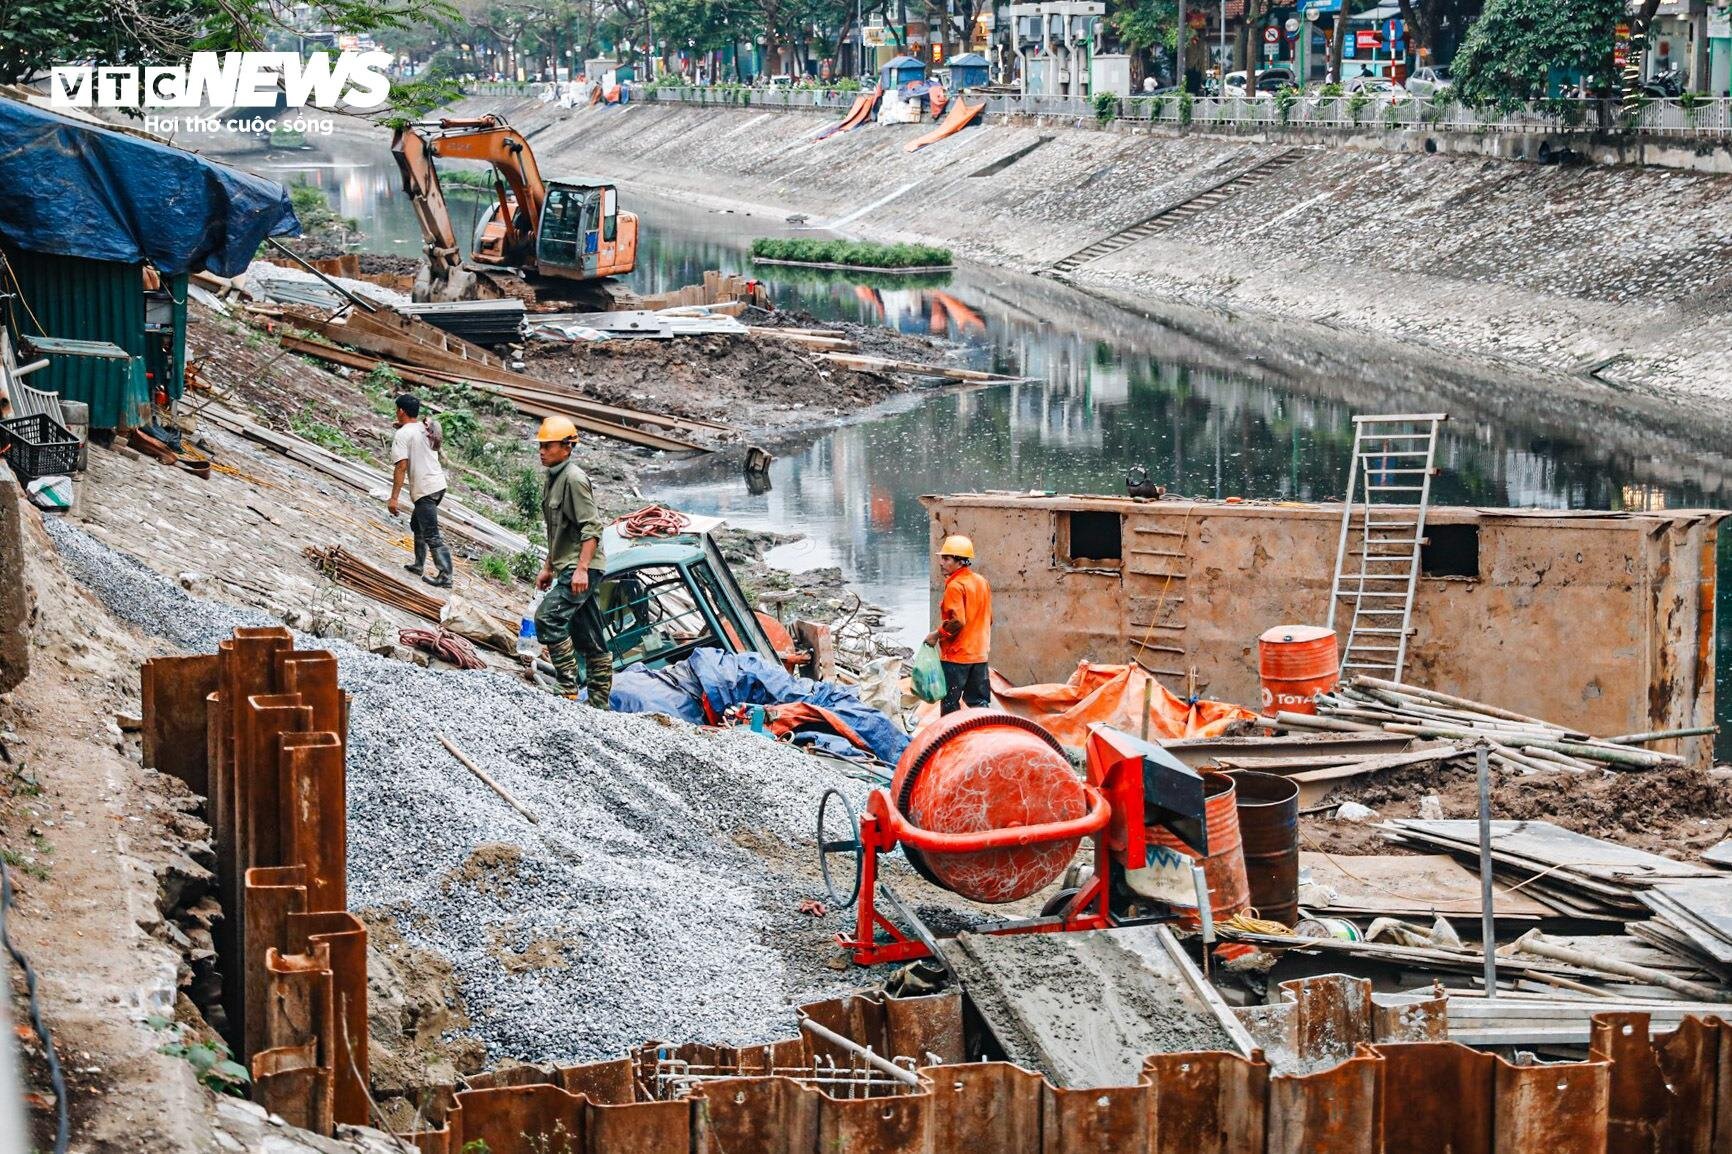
pixel 1394 457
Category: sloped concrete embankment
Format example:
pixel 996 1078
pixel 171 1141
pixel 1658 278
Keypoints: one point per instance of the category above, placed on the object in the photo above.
pixel 1625 273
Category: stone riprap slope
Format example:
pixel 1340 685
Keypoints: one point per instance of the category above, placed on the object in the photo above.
pixel 1517 265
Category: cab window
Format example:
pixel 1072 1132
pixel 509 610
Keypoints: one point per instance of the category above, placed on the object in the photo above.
pixel 651 615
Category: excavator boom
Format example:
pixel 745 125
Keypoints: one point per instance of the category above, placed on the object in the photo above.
pixel 587 246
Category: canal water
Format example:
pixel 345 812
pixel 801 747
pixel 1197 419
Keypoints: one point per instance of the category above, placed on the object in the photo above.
pixel 1105 390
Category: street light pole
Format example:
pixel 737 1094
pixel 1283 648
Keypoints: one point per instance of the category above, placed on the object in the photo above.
pixel 1221 61
pixel 1179 50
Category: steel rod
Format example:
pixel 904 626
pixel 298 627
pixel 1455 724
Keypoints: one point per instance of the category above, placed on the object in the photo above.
pixel 906 1077
pixel 1487 920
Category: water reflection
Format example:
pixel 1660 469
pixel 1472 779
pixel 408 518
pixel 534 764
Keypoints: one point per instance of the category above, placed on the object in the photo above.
pixel 1107 390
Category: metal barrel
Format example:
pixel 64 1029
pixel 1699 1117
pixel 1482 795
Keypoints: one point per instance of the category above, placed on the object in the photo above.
pixel 1224 867
pixel 1268 810
pixel 1295 662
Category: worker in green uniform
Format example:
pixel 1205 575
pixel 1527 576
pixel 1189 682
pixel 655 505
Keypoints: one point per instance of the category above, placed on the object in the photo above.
pixel 568 621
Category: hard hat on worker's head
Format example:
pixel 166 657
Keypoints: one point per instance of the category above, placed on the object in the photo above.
pixel 556 429
pixel 958 546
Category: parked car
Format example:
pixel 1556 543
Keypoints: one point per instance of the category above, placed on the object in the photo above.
pixel 1271 79
pixel 1371 85
pixel 1430 82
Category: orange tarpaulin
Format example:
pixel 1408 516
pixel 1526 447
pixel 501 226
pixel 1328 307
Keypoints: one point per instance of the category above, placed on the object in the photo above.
pixel 1111 695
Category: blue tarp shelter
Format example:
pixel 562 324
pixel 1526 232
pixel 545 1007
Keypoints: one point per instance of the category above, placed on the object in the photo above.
pixel 68 188
pixel 82 210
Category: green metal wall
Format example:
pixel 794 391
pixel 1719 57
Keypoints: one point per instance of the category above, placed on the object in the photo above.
pixel 92 300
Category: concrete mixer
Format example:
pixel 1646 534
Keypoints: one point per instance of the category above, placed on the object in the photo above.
pixel 986 805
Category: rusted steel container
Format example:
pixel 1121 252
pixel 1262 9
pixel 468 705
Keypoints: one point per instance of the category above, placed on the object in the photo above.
pixel 1295 663
pixel 979 770
pixel 1268 808
pixel 1167 877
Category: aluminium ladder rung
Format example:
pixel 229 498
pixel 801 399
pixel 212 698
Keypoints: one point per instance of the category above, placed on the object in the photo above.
pixel 1402 418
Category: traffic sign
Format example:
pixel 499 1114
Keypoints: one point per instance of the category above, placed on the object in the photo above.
pixel 1271 35
pixel 1367 38
pixel 1292 25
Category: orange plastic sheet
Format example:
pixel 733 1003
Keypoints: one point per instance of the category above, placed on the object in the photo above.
pixel 1110 695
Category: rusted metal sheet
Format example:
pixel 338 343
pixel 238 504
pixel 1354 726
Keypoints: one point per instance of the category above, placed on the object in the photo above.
pixel 292 1074
pixel 294 960
pixel 1207 1103
pixel 1552 1108
pixel 986 1108
pixel 1328 1016
pixel 173 692
pixel 761 1115
pixel 1438 1098
pixel 899 1125
pixel 1115 1118
pixel 1696 1060
pixel 1639 1103
pixel 313 815
pixel 1334 1111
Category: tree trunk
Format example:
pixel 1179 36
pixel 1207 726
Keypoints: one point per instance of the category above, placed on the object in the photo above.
pixel 1253 48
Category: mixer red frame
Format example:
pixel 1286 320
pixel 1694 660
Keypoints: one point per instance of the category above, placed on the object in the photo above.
pixel 1114 821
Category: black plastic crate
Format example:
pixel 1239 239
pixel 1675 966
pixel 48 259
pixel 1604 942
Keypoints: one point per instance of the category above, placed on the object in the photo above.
pixel 38 446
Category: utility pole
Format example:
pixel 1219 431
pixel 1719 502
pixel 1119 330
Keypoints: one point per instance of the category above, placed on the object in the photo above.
pixel 1222 58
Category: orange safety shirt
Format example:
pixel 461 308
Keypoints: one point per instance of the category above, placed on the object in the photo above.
pixel 968 604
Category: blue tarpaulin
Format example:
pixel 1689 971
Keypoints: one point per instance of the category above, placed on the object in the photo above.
pixel 71 189
pixel 725 679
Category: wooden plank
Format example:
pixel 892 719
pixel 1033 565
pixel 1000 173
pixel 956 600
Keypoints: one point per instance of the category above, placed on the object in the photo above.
pixel 1409 886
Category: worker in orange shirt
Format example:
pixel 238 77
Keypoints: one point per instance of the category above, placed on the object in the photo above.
pixel 964 633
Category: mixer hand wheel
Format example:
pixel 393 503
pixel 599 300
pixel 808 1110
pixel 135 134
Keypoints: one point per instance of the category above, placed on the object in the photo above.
pixel 839 841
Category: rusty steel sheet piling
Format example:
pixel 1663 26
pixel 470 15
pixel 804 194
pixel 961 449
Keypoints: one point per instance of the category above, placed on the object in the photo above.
pixel 262 729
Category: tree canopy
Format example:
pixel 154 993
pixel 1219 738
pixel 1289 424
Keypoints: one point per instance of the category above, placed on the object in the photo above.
pixel 1517 45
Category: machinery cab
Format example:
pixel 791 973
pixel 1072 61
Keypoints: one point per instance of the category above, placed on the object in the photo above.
pixel 661 598
pixel 583 233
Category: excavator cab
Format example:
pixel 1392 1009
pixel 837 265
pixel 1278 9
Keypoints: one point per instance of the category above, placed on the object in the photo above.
pixel 583 233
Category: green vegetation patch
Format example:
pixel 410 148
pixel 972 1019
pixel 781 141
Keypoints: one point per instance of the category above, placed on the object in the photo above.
pixel 859 254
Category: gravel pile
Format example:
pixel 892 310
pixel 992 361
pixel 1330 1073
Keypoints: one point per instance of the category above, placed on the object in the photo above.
pixel 647 904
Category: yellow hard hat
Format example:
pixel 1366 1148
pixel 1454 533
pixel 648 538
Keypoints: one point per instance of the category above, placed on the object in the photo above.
pixel 556 429
pixel 957 545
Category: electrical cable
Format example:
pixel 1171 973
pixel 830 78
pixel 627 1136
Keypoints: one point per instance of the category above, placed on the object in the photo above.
pixel 62 1123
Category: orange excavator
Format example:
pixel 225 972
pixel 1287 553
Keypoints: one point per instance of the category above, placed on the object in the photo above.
pixel 544 228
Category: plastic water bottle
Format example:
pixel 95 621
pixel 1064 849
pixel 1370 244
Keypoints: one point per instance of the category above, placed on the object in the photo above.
pixel 527 644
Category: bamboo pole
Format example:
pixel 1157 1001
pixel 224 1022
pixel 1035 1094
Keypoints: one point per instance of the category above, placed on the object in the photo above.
pixel 1616 755
pixel 1447 699
pixel 1534 942
pixel 486 780
pixel 1664 735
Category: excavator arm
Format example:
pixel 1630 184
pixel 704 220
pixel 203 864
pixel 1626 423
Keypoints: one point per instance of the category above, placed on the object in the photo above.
pixel 518 180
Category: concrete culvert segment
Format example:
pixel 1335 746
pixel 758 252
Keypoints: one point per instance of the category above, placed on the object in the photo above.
pixel 656 898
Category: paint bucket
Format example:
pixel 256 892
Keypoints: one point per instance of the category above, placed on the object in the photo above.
pixel 1297 662
pixel 1166 877
pixel 1268 808
pixel 1340 929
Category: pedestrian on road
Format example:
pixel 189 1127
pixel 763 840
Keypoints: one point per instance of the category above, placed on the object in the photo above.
pixel 569 620
pixel 964 633
pixel 416 462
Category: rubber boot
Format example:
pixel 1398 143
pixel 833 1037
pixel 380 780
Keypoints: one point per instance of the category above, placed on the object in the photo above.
pixel 442 562
pixel 562 654
pixel 599 667
pixel 419 565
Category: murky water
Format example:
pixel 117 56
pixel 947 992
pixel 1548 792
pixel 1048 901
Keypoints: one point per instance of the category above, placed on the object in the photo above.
pixel 1107 390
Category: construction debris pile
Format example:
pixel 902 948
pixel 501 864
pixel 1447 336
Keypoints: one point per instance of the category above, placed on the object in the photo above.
pixel 663 901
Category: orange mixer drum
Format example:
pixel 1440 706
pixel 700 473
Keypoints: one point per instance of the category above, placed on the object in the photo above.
pixel 978 770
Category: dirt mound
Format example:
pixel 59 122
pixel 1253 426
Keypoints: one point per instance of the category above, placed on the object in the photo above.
pixel 746 381
pixel 1674 812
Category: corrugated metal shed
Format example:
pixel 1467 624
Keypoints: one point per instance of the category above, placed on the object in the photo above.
pixel 94 300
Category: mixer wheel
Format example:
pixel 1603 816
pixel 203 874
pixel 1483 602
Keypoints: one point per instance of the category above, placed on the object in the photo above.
pixel 1055 905
pixel 839 843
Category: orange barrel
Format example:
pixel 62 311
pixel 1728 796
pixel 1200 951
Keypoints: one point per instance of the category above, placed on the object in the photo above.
pixel 1268 808
pixel 978 770
pixel 1297 661
pixel 1167 876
